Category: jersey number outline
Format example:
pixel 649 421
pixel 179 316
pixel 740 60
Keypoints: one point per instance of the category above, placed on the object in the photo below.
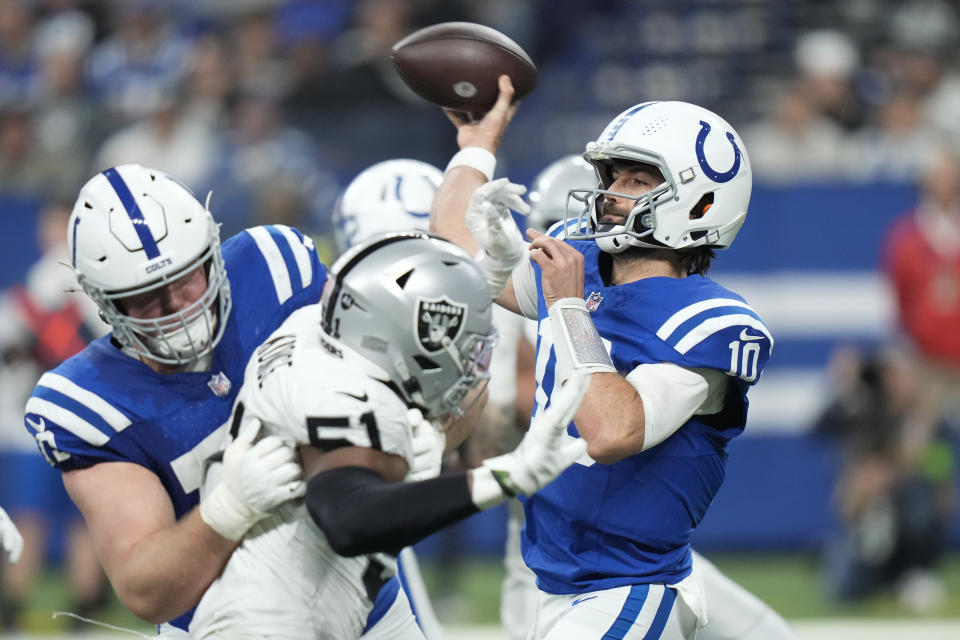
pixel 744 360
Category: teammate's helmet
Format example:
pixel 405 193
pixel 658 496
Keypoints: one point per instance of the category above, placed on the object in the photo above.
pixel 549 192
pixel 134 230
pixel 393 195
pixel 419 308
pixel 707 179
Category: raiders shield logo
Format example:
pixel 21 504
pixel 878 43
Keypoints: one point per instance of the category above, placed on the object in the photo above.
pixel 436 319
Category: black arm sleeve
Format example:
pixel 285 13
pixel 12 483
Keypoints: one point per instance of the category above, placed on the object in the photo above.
pixel 361 513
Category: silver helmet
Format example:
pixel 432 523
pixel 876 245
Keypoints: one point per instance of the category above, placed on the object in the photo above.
pixel 419 308
pixel 551 189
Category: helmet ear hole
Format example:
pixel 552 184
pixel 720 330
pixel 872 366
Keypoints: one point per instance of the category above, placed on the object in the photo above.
pixel 700 209
pixel 426 363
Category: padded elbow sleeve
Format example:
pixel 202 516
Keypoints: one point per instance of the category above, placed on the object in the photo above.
pixel 361 513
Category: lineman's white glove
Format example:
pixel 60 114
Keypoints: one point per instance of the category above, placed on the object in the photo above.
pixel 10 538
pixel 254 479
pixel 544 453
pixel 488 217
pixel 428 445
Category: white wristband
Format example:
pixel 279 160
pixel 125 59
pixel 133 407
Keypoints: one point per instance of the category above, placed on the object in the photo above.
pixel 476 158
pixel 576 340
pixel 485 491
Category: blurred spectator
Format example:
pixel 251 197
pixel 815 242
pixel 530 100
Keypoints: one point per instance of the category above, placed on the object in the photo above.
pixel 895 512
pixel 25 168
pixel 827 61
pixel 139 62
pixel 365 75
pixel 260 66
pixel 897 145
pixel 167 138
pixel 796 142
pixel 41 325
pixel 922 263
pixel 63 115
pixel 263 163
pixel 18 66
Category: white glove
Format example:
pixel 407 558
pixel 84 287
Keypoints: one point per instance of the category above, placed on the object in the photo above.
pixel 10 538
pixel 428 445
pixel 488 217
pixel 544 453
pixel 254 479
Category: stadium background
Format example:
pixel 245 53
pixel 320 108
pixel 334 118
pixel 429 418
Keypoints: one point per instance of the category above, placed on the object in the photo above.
pixel 276 105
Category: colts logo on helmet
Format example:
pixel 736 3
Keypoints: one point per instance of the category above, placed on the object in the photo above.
pixel 710 172
pixel 438 322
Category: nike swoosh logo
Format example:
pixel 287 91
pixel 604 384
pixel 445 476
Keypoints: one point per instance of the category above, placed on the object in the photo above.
pixel 37 426
pixel 361 398
pixel 579 600
pixel 746 337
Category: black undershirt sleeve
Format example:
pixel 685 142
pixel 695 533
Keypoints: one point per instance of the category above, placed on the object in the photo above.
pixel 362 513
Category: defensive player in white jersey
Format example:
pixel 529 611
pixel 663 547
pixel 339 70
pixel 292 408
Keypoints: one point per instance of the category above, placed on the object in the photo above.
pixel 734 612
pixel 395 195
pixel 619 291
pixel 130 419
pixel 403 335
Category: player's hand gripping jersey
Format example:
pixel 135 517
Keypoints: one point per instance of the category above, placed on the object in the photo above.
pixel 284 580
pixel 607 520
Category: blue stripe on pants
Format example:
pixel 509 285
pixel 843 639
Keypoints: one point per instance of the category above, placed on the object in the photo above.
pixel 663 613
pixel 629 612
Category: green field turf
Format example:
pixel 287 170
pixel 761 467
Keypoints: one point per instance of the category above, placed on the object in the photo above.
pixel 470 593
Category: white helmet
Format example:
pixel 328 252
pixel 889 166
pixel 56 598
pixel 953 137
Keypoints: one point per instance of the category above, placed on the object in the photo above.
pixel 552 186
pixel 707 179
pixel 393 195
pixel 134 230
pixel 419 308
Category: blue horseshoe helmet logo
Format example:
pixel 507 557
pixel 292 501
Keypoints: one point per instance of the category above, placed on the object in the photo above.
pixel 710 172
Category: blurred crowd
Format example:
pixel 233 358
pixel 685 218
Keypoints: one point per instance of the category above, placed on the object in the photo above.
pixel 273 105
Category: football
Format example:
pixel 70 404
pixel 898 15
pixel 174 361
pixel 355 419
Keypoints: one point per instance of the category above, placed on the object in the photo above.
pixel 456 65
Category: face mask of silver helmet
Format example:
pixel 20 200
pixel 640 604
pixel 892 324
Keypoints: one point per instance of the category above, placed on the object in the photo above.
pixel 707 180
pixel 134 230
pixel 419 308
pixel 393 195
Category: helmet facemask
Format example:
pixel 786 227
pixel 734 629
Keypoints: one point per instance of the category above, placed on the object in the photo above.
pixel 180 338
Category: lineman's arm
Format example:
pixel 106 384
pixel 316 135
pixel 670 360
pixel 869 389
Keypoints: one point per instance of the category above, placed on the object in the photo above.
pixel 158 566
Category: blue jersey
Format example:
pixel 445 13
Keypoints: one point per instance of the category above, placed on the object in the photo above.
pixel 599 526
pixel 104 406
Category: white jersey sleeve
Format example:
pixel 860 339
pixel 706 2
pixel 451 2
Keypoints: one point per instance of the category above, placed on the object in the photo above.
pixel 304 389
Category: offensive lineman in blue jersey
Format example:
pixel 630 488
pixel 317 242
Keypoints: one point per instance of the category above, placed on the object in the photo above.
pixel 130 420
pixel 671 355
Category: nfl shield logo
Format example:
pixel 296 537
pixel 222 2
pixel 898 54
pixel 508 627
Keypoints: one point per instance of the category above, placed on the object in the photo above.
pixel 219 384
pixel 438 321
pixel 594 300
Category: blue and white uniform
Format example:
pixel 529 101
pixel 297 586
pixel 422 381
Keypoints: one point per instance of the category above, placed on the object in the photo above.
pixel 105 406
pixel 599 527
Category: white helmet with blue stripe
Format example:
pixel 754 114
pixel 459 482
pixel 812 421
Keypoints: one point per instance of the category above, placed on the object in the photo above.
pixel 134 230
pixel 393 195
pixel 707 179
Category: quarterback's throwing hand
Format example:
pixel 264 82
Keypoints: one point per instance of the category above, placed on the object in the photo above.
pixel 546 450
pixel 255 479
pixel 10 538
pixel 488 217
